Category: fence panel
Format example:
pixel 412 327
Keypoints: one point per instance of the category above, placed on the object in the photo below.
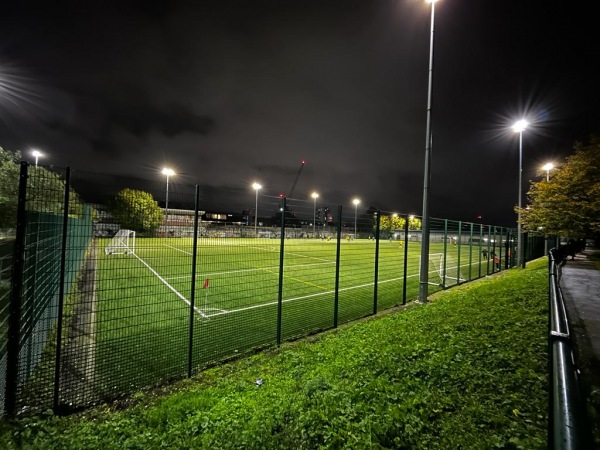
pixel 309 271
pixel 6 255
pixel 131 318
pixel 145 282
pixel 357 264
pixel 238 271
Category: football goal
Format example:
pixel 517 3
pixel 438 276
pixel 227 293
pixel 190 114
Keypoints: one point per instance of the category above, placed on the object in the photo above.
pixel 123 243
pixel 443 270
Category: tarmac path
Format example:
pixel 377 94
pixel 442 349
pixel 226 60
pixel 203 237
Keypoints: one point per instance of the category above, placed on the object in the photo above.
pixel 580 286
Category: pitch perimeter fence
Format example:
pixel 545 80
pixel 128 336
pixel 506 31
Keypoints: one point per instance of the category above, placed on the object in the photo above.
pixel 95 312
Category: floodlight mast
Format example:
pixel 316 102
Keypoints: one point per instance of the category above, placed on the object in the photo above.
pixel 315 196
pixel 548 167
pixel 519 127
pixel 356 202
pixel 168 173
pixel 257 187
pixel 36 154
pixel 424 267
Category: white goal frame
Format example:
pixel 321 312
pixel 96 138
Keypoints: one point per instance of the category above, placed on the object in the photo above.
pixel 123 243
pixel 443 267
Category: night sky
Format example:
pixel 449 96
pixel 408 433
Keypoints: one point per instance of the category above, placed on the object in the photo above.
pixel 231 92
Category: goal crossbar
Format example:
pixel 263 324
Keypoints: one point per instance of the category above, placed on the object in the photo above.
pixel 123 243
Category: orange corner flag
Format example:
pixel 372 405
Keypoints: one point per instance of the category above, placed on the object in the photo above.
pixel 205 284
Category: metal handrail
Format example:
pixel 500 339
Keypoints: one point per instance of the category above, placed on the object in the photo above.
pixel 568 422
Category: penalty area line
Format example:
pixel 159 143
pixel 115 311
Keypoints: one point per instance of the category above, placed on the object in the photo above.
pixel 169 286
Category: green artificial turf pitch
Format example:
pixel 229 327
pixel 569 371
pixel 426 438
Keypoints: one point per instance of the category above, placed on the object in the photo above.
pixel 144 300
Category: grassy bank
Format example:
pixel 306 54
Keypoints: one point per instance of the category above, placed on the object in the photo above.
pixel 467 370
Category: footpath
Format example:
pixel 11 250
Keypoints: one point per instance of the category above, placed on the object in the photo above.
pixel 580 285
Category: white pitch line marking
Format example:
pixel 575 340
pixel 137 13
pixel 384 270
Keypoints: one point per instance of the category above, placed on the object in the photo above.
pixel 169 286
pixel 261 249
pixel 256 269
pixel 178 249
pixel 318 294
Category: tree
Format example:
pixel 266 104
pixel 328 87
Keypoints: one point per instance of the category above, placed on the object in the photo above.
pixel 136 210
pixel 9 188
pixel 45 190
pixel 569 204
pixel 388 224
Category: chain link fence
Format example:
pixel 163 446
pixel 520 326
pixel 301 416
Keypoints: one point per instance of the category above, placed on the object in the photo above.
pixel 138 284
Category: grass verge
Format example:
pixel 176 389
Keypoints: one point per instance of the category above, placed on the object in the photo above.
pixel 467 370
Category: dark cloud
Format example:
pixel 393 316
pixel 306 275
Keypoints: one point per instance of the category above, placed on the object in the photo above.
pixel 232 92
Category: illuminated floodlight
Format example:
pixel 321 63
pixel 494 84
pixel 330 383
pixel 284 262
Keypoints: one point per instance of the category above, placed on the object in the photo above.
pixel 356 202
pixel 168 173
pixel 315 196
pixel 37 154
pixel 257 187
pixel 548 167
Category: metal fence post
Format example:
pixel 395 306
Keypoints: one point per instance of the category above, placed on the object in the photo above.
pixel 480 244
pixel 489 251
pixel 405 269
pixel 458 243
pixel 336 301
pixel 14 322
pixel 507 262
pixel 494 244
pixel 281 261
pixel 61 292
pixel 193 284
pixel 377 229
pixel 525 248
pixel 445 253
pixel 471 251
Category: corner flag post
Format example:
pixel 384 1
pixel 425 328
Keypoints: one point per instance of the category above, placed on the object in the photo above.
pixel 205 286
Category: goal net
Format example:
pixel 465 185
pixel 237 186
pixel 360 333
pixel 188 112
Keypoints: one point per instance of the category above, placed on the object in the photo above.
pixel 443 270
pixel 123 243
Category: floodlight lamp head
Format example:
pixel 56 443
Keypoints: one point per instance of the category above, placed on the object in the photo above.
pixel 36 153
pixel 356 201
pixel 256 186
pixel 548 166
pixel 520 126
pixel 314 195
pixel 168 172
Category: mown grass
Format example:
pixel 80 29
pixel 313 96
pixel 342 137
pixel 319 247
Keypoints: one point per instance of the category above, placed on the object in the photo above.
pixel 467 370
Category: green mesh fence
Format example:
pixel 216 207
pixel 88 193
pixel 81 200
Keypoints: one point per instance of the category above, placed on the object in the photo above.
pixel 146 285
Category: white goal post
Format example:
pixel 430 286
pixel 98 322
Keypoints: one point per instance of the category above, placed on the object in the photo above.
pixel 443 268
pixel 123 243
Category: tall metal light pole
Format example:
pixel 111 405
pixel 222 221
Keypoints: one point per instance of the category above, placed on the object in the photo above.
pixel 519 127
pixel 548 167
pixel 168 173
pixel 36 154
pixel 315 196
pixel 424 269
pixel 356 202
pixel 257 187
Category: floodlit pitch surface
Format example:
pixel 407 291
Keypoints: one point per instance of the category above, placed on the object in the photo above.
pixel 144 299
